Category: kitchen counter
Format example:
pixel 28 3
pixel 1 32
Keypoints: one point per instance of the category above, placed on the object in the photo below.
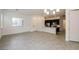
pixel 53 29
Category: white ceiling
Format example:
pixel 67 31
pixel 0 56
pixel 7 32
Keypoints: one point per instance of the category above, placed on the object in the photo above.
pixel 31 11
pixel 27 11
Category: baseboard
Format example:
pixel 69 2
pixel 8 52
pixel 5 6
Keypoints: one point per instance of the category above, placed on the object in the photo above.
pixel 16 32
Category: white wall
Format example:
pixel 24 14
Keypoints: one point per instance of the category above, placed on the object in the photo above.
pixel 0 25
pixel 31 23
pixel 72 25
pixel 0 19
pixel 7 23
pixel 38 23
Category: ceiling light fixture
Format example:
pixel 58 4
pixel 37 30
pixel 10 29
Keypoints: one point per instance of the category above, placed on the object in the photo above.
pixel 51 10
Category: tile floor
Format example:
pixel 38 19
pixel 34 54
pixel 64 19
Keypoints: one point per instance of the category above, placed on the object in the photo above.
pixel 36 41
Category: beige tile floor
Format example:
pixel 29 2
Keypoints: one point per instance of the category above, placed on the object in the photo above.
pixel 37 41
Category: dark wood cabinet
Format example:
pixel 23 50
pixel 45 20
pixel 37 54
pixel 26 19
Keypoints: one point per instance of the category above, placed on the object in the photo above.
pixel 51 23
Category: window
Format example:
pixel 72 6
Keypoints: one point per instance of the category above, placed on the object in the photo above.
pixel 17 22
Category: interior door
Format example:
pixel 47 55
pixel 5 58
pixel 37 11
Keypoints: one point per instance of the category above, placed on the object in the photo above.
pixel 74 25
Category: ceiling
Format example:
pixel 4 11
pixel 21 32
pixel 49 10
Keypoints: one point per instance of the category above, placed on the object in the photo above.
pixel 27 11
pixel 33 11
